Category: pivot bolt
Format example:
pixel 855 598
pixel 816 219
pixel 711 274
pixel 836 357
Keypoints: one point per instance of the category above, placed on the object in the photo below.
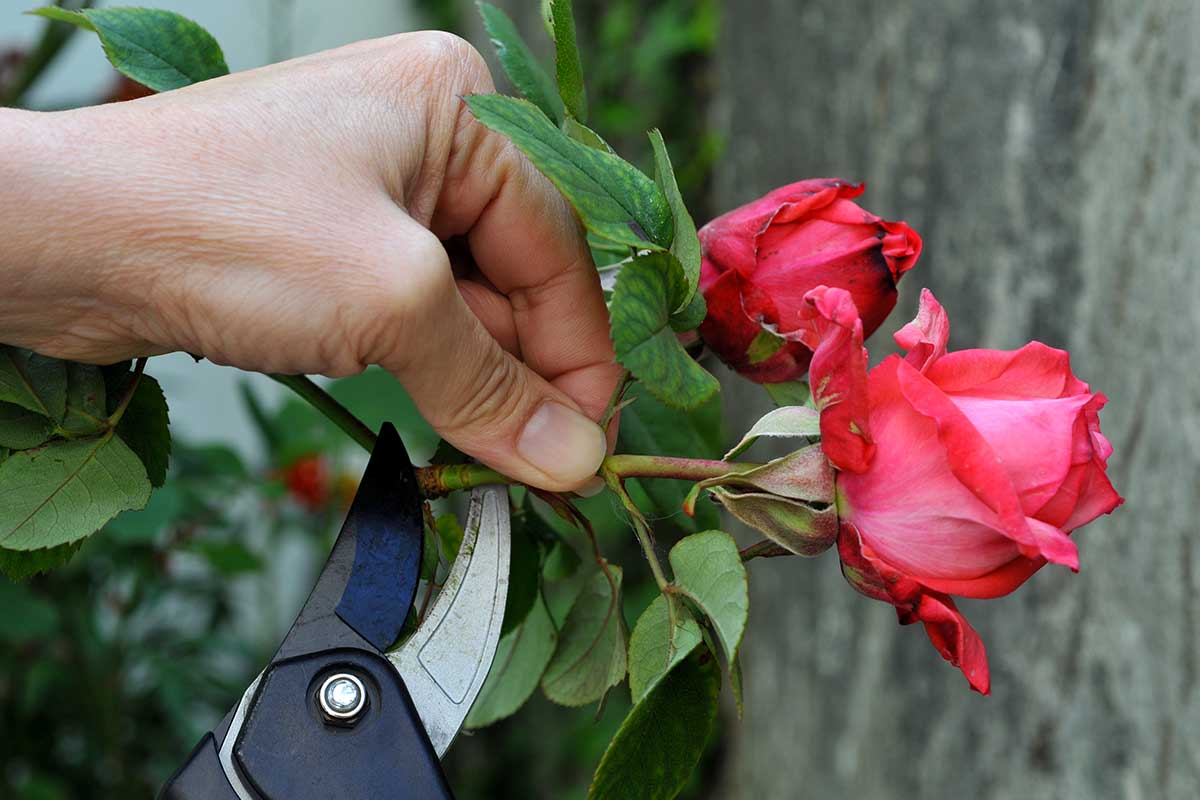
pixel 343 698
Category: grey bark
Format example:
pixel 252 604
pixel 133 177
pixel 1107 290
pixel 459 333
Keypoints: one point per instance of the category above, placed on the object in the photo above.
pixel 1048 150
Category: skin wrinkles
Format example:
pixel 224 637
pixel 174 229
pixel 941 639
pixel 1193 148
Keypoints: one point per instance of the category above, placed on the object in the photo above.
pixel 288 219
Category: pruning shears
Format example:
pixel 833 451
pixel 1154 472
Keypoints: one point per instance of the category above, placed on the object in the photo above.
pixel 335 714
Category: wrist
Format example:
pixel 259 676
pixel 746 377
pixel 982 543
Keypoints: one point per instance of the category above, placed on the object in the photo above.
pixel 61 228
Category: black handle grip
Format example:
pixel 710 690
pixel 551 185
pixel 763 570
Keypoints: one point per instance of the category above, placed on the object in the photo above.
pixel 287 751
pixel 201 778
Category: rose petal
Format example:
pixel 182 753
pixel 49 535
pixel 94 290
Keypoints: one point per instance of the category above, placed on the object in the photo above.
pixel 948 629
pixel 838 373
pixel 976 465
pixel 1034 439
pixel 926 336
pixel 996 583
pixel 780 284
pixel 913 510
pixel 955 639
pixel 1033 371
pixel 731 240
pixel 1099 498
pixel 901 247
pixel 803 198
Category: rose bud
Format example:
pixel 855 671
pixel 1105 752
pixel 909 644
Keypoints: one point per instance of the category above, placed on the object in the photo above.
pixel 959 473
pixel 761 259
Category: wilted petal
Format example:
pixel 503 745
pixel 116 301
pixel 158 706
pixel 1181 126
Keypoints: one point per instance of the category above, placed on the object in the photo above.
pixel 925 338
pixel 839 376
pixel 955 639
pixel 804 529
pixel 802 475
pixel 948 629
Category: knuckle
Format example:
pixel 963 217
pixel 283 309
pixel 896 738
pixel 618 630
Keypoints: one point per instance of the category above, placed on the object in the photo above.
pixel 452 60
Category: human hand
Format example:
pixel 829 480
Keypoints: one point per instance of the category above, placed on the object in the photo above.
pixel 291 219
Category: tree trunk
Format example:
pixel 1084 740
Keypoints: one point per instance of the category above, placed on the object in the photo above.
pixel 1048 151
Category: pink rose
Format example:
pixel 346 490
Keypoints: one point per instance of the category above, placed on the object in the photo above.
pixel 959 473
pixel 761 259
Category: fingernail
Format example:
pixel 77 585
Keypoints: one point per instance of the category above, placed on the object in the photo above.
pixel 562 443
pixel 591 487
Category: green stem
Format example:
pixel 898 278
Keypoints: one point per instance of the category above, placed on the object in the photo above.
pixel 684 469
pixel 764 548
pixel 440 480
pixel 641 529
pixel 337 413
pixel 614 402
pixel 138 368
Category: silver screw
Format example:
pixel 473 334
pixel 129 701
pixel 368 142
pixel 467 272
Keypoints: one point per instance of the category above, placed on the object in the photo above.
pixel 342 697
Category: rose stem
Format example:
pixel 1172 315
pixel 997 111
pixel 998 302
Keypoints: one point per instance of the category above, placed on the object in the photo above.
pixel 337 413
pixel 640 528
pixel 442 479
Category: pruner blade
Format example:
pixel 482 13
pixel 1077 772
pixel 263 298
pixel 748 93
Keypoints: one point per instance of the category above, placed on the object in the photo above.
pixel 445 662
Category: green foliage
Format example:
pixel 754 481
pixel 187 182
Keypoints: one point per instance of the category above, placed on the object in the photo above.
pixel 524 578
pixel 34 382
pixel 520 64
pixel 653 428
pixel 567 65
pixel 153 639
pixel 788 422
pixel 228 558
pixel 450 533
pixel 54 492
pixel 763 346
pixel 790 393
pixel 585 135
pixel 145 427
pixel 21 429
pixel 375 397
pixel 658 643
pixel 686 245
pixel 58 494
pixel 431 557
pixel 521 658
pixel 591 654
pixel 87 412
pixel 648 66
pixel 646 291
pixel 662 739
pixel 27 617
pixel 19 565
pixel 690 316
pixel 709 572
pixel 613 198
pixel 159 49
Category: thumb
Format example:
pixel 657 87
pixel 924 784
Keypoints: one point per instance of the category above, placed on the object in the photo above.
pixel 475 394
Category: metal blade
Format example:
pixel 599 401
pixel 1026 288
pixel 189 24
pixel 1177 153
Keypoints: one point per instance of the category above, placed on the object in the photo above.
pixel 446 661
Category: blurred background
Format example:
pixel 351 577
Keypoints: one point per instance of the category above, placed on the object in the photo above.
pixel 1047 150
